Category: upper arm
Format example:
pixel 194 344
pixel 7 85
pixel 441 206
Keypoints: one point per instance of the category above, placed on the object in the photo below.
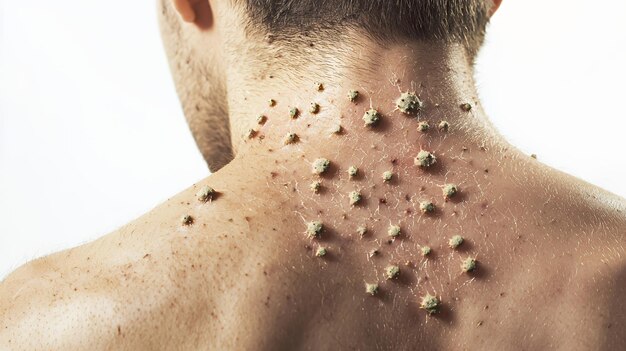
pixel 118 292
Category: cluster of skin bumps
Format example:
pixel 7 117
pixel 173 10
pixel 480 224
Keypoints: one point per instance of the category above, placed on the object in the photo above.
pixel 409 104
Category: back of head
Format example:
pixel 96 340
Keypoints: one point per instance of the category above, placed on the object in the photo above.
pixel 448 21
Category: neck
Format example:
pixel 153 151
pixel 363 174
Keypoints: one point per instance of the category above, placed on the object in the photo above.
pixel 441 77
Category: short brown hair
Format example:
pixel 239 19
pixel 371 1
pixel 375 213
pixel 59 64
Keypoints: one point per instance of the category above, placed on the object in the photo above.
pixel 459 21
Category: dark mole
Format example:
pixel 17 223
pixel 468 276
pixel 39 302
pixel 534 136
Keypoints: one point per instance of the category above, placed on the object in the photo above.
pixel 394 161
pixel 247 218
pixel 390 241
pixel 119 330
pixel 407 197
pixel 382 200
pixel 273 174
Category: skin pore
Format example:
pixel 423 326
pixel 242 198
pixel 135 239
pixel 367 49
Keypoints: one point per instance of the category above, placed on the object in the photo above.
pixel 270 262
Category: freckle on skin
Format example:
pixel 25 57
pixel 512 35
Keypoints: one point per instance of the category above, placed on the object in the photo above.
pixel 320 87
pixel 315 108
pixel 251 133
pixel 261 120
pixel 291 138
pixel 271 102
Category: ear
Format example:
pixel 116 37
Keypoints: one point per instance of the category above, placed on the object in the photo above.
pixel 197 12
pixel 494 7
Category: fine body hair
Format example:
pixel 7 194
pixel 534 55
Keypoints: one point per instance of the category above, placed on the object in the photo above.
pixel 447 21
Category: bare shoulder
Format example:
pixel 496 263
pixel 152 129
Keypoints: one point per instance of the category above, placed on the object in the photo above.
pixel 149 285
pixel 591 301
pixel 204 269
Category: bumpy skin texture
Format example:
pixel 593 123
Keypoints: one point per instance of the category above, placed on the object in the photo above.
pixel 244 275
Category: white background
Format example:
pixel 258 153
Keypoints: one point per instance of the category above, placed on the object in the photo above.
pixel 92 136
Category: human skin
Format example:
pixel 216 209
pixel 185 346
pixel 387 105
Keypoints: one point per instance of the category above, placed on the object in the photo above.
pixel 244 275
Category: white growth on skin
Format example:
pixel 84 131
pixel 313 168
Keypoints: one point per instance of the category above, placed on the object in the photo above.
pixel 393 231
pixel 425 159
pixel 371 117
pixel 409 103
pixel 371 289
pixel 205 194
pixel 455 241
pixel 320 166
pixel 314 229
pixel 392 272
pixel 430 304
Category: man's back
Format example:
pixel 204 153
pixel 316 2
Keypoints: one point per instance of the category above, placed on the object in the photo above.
pixel 369 204
pixel 243 271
